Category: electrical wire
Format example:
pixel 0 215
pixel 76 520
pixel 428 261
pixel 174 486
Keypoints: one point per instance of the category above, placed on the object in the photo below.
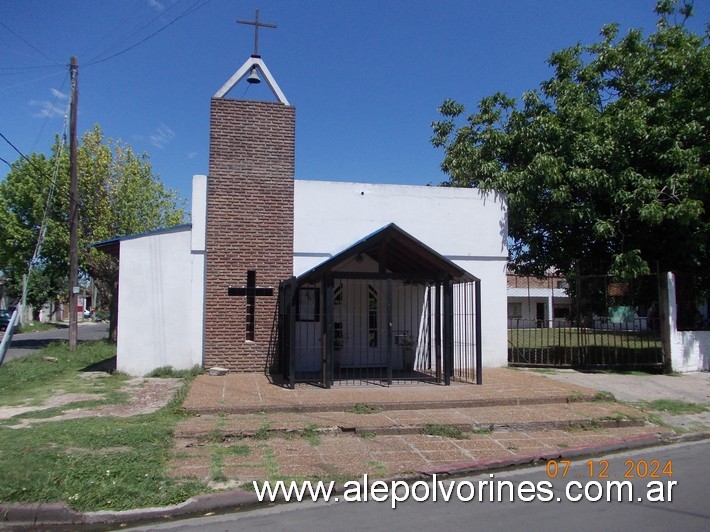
pixel 194 7
pixel 32 80
pixel 18 69
pixel 40 171
pixel 50 195
pixel 40 52
pixel 54 103
pixel 110 48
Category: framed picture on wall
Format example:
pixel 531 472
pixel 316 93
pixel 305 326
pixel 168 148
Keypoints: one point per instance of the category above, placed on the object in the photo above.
pixel 308 308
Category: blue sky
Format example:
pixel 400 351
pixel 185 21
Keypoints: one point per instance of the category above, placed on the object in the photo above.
pixel 365 76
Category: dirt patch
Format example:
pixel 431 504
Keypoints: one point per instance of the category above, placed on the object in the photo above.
pixel 60 399
pixel 145 395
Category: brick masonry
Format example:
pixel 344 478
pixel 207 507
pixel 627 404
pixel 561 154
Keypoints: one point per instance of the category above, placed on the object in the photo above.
pixel 249 226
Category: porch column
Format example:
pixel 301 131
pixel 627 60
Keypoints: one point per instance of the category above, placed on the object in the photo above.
pixel 327 364
pixel 437 330
pixel 389 330
pixel 448 330
pixel 479 345
pixel 291 306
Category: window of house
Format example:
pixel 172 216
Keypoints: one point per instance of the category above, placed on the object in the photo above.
pixel 562 312
pixel 515 310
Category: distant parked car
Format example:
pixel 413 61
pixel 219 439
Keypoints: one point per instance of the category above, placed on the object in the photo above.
pixel 5 316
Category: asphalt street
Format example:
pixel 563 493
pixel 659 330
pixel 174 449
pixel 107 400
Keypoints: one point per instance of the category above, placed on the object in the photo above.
pixel 27 343
pixel 682 475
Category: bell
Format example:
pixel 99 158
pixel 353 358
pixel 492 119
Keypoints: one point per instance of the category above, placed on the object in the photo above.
pixel 253 76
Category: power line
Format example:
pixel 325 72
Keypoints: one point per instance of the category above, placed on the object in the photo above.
pixel 31 80
pixel 121 40
pixel 57 94
pixel 40 171
pixel 194 7
pixel 50 195
pixel 40 52
pixel 34 67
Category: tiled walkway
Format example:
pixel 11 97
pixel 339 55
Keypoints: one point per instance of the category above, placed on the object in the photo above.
pixel 253 392
pixel 247 429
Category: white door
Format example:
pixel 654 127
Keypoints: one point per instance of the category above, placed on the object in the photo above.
pixel 358 324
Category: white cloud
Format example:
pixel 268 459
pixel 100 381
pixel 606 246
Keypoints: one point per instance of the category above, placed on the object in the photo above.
pixel 162 136
pixel 192 154
pixel 59 95
pixel 55 108
pixel 156 4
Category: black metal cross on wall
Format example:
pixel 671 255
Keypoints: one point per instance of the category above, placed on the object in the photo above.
pixel 256 25
pixel 251 292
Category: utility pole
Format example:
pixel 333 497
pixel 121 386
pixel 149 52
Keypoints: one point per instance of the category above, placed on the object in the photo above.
pixel 73 207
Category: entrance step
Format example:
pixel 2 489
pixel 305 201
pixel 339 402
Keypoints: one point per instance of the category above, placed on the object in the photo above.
pixel 502 387
pixel 362 419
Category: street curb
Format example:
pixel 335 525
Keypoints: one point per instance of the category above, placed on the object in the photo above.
pixel 44 514
pixel 61 514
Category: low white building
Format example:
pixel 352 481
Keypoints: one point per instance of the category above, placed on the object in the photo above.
pixel 162 273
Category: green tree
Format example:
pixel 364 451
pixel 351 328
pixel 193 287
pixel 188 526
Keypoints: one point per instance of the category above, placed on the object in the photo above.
pixel 23 203
pixel 119 195
pixel 607 161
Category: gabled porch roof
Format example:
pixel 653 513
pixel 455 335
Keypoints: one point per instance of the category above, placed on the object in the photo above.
pixel 397 252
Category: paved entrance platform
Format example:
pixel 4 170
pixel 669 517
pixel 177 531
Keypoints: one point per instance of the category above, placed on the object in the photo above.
pixel 247 427
pixel 252 392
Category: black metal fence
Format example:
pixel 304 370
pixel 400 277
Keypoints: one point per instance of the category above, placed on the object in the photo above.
pixel 630 345
pixel 591 321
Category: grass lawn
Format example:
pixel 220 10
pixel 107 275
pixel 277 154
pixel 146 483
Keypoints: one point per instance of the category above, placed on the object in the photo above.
pixel 91 463
pixel 573 337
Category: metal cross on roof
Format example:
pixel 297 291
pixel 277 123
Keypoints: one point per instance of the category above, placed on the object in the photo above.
pixel 256 25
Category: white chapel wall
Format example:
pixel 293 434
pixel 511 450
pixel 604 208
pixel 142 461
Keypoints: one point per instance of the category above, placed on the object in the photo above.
pixel 465 225
pixel 155 301
pixel 197 281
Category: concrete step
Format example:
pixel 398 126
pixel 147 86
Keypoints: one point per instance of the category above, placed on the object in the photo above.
pixel 400 404
pixel 370 420
pixel 253 393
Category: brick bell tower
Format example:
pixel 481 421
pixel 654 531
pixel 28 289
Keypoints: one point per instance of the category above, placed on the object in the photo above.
pixel 249 220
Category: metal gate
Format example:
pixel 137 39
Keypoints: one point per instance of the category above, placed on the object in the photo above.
pixel 382 329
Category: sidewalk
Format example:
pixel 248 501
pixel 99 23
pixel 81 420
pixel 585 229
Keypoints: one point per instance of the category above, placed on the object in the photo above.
pixel 248 428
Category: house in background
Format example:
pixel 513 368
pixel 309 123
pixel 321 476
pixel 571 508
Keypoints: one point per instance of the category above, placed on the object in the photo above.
pixel 319 281
pixel 536 303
